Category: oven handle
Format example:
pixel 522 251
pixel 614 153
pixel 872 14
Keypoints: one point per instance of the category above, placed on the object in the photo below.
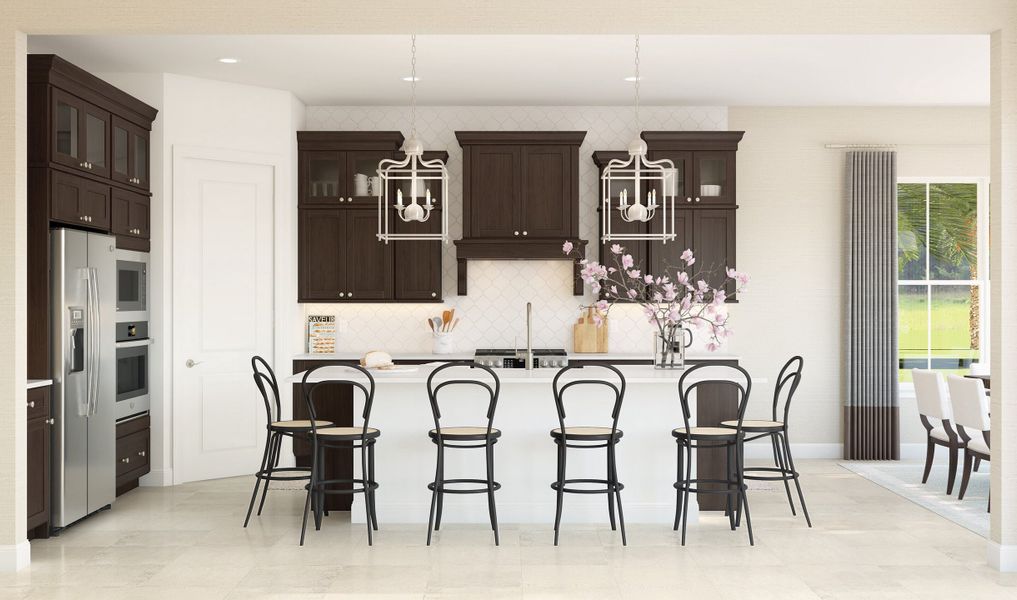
pixel 135 343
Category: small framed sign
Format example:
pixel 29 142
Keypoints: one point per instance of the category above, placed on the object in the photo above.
pixel 321 334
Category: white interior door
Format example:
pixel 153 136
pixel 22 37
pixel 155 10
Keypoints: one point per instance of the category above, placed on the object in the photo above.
pixel 222 312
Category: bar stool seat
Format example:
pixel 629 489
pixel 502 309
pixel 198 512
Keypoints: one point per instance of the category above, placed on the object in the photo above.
pixel 347 433
pixel 697 433
pixel 466 434
pixel 592 434
pixel 298 425
pixel 755 426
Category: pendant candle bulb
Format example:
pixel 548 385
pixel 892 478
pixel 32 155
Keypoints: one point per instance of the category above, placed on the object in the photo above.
pixel 420 172
pixel 643 176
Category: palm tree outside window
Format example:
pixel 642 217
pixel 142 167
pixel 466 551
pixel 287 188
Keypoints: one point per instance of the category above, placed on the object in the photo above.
pixel 942 259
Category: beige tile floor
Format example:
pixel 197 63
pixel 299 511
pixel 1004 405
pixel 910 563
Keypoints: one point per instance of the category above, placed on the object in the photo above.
pixel 187 542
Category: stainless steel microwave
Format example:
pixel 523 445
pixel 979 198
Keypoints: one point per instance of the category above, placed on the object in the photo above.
pixel 132 285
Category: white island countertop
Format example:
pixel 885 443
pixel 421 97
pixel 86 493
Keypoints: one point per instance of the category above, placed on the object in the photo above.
pixel 620 356
pixel 420 373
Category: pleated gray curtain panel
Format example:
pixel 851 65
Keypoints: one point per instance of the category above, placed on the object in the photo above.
pixel 871 413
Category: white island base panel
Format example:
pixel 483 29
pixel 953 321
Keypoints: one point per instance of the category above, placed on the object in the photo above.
pixel 525 454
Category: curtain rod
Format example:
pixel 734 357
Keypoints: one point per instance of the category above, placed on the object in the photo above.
pixel 859 146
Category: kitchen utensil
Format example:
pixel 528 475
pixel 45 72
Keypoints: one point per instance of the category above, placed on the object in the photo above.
pixel 586 336
pixel 430 324
pixel 446 318
pixel 454 323
pixel 436 322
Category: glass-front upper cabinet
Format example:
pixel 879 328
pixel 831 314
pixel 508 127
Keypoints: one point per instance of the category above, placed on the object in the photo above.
pixel 679 181
pixel 322 177
pixel 130 158
pixel 714 181
pixel 362 178
pixel 80 134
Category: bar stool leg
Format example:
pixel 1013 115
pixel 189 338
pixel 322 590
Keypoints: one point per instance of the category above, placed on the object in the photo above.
pixel 798 485
pixel 778 459
pixel 610 494
pixel 613 487
pixel 729 485
pixel 370 469
pixel 561 487
pixel 364 472
pixel 679 488
pixel 310 487
pixel 434 497
pixel 440 485
pixel 319 491
pixel 492 511
pixel 257 478
pixel 687 483
pixel 742 492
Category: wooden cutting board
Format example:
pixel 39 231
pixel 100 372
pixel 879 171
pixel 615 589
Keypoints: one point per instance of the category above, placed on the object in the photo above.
pixel 586 336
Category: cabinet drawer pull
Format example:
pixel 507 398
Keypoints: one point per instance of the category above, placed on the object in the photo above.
pixel 50 421
pixel 125 459
pixel 142 453
pixel 32 403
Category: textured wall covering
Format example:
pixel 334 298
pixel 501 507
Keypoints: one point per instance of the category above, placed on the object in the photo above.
pixel 493 313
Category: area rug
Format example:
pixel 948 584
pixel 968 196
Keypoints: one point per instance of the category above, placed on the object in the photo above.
pixel 905 479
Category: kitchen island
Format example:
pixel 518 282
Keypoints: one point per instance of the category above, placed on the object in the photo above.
pixel 525 454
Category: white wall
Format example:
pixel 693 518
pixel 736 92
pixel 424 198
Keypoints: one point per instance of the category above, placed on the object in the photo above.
pixel 792 236
pixel 211 114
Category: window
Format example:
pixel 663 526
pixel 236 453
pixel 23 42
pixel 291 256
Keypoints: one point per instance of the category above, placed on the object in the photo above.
pixel 942 262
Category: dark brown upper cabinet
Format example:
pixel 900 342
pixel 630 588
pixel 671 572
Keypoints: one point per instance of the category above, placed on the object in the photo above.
pixel 520 196
pixel 80 134
pixel 329 162
pixel 705 217
pixel 79 201
pixel 131 214
pixel 340 258
pixel 130 154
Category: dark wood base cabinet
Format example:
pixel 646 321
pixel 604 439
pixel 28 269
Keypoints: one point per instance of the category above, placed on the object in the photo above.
pixel 40 432
pixel 133 448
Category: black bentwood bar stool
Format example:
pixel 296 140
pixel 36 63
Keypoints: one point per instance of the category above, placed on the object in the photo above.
pixel 589 437
pixel 731 439
pixel 323 436
pixel 776 429
pixel 276 429
pixel 463 437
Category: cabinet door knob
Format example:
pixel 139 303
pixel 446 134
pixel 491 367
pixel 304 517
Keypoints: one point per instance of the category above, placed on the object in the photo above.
pixel 142 453
pixel 50 421
pixel 434 294
pixel 349 294
pixel 526 233
pixel 697 198
pixel 125 459
pixel 32 403
pixel 342 294
pixel 689 199
pixel 515 233
pixel 82 165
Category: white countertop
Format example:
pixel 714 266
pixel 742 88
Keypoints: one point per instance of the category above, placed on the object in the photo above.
pixel 469 356
pixel 633 374
pixel 38 383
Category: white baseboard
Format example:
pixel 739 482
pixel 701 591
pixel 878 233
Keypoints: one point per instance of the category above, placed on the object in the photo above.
pixel 1002 558
pixel 762 450
pixel 158 478
pixel 15 557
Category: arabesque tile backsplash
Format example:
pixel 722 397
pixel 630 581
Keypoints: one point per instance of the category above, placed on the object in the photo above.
pixel 493 314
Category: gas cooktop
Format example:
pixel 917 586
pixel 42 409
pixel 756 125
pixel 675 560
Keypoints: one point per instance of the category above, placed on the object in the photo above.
pixel 507 358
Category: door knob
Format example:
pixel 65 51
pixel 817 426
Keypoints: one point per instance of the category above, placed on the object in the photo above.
pixel 190 364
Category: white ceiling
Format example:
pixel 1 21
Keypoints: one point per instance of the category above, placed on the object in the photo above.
pixel 896 70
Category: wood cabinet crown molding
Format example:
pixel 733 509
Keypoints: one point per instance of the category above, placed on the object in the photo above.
pixel 700 140
pixel 53 70
pixel 350 140
pixel 567 138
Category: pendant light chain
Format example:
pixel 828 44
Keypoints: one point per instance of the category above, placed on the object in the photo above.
pixel 637 83
pixel 413 86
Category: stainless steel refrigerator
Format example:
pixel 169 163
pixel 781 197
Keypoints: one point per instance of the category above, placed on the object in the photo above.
pixel 84 373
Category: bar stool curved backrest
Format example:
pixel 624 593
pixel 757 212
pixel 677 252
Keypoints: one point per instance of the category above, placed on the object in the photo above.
pixel 685 389
pixel 617 388
pixel 265 379
pixel 493 390
pixel 787 384
pixel 308 387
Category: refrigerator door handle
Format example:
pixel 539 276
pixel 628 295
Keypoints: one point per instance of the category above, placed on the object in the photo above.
pixel 93 343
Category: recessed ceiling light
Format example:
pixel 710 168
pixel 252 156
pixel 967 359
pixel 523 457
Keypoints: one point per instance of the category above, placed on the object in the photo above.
pixel 633 79
pixel 411 78
pixel 229 60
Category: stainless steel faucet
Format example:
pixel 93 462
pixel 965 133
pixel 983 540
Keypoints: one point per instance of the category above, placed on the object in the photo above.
pixel 529 336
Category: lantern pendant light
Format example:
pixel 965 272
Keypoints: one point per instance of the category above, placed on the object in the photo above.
pixel 646 179
pixel 420 173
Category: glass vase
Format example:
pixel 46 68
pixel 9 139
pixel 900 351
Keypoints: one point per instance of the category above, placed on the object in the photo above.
pixel 669 347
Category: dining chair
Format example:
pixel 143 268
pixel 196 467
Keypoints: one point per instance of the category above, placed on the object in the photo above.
pixel 971 414
pixel 934 403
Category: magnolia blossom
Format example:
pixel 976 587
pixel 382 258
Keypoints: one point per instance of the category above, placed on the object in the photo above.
pixel 648 279
pixel 602 305
pixel 632 294
pixel 688 258
pixel 634 273
pixel 616 249
pixel 567 247
pixel 627 262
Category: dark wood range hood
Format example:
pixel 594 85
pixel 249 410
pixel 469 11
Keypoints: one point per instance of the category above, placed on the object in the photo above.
pixel 520 197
